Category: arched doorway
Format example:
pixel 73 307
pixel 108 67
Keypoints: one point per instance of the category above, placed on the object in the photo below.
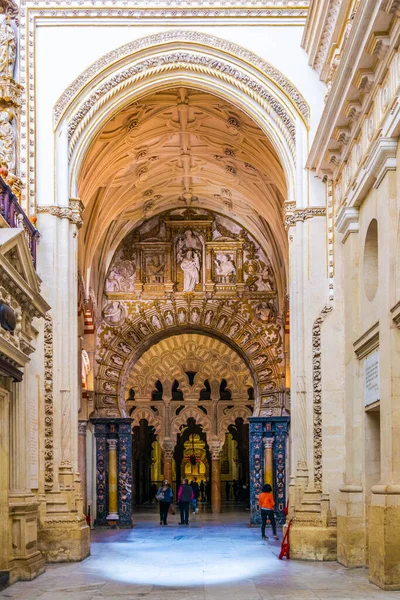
pixel 184 189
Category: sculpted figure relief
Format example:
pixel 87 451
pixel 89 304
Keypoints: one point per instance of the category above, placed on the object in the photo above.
pixel 8 49
pixel 225 268
pixel 7 141
pixel 114 313
pixel 121 276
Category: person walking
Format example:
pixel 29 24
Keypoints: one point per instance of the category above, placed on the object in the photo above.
pixel 185 497
pixel 164 496
pixel 202 490
pixel 196 493
pixel 235 487
pixel 266 503
pixel 227 490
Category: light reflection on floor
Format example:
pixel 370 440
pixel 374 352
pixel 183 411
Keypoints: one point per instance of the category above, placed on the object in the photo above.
pixel 216 558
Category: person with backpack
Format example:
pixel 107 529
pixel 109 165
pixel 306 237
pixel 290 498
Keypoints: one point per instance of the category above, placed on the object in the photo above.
pixel 196 492
pixel 266 503
pixel 185 497
pixel 164 496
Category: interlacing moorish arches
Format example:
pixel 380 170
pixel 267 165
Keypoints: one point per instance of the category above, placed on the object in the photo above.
pixel 172 358
pixel 235 323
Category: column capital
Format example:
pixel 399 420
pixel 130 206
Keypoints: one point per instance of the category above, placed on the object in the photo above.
pixel 215 449
pixel 112 443
pixel 82 426
pixel 168 448
pixel 268 442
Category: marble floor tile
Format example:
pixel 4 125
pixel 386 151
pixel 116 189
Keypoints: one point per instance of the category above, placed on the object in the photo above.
pixel 215 558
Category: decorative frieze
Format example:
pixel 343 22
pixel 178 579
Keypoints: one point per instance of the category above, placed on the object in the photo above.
pixel 302 214
pixel 73 212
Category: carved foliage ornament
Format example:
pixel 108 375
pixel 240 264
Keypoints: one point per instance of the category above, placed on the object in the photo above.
pixel 317 394
pixel 176 61
pixel 185 36
pixel 73 212
pixel 48 400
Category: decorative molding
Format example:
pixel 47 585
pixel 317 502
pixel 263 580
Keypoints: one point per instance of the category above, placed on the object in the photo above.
pixel 396 314
pixel 380 160
pixel 73 212
pixel 48 401
pixel 347 222
pixel 168 37
pixel 368 342
pixel 326 36
pixel 302 214
pixel 180 60
pixel 317 394
pixel 9 7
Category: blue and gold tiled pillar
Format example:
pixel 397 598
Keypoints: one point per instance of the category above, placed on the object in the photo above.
pixel 113 472
pixel 268 433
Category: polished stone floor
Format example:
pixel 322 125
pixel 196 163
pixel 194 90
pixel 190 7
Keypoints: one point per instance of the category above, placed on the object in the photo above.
pixel 216 557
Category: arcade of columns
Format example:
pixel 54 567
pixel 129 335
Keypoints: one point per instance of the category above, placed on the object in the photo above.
pixel 188 192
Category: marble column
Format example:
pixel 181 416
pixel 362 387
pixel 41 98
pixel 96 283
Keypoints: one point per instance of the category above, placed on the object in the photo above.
pixel 5 543
pixel 268 466
pixel 82 426
pixel 112 517
pixel 216 496
pixel 168 451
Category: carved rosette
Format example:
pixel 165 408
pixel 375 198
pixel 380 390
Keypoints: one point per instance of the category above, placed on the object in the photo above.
pixel 48 402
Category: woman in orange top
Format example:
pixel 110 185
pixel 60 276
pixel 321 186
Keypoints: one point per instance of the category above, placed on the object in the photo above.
pixel 266 503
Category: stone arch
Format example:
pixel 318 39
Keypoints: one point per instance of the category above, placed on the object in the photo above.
pixel 230 418
pixel 157 61
pixel 207 356
pixel 190 412
pixel 146 413
pixel 259 344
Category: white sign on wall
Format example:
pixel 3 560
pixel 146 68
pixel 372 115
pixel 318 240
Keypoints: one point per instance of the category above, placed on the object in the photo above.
pixel 371 378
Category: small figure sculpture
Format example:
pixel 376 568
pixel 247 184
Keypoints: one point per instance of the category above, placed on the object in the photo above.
pixel 8 49
pixel 225 268
pixel 7 141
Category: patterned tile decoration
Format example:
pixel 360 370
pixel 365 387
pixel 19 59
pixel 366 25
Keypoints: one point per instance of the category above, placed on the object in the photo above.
pixel 121 430
pixel 278 428
pixel 125 475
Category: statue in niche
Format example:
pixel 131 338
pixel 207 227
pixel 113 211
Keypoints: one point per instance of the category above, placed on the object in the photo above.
pixel 169 318
pixel 7 141
pixel 114 313
pixel 117 360
pixel 225 268
pixel 188 253
pixel 122 347
pixel 156 322
pixel 195 315
pixel 143 329
pixel 155 270
pixel 190 266
pixel 209 316
pixel 181 316
pixel 8 49
pixel 234 329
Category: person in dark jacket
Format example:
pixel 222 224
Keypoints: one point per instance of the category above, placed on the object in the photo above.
pixel 196 492
pixel 164 496
pixel 185 497
pixel 202 491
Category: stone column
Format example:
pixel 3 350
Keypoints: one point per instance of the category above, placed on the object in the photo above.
pixel 268 463
pixel 112 517
pixel 216 497
pixel 5 543
pixel 82 426
pixel 168 450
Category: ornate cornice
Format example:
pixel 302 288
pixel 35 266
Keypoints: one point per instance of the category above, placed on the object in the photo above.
pixel 73 212
pixel 193 37
pixel 302 214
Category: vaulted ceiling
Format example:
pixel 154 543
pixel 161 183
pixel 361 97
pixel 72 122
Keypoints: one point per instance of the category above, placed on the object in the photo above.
pixel 175 148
